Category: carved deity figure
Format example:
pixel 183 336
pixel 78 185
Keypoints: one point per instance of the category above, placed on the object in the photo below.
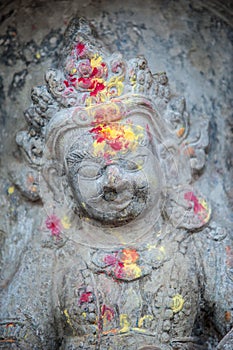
pixel 132 257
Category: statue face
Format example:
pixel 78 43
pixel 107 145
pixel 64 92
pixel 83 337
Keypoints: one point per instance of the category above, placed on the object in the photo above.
pixel 113 174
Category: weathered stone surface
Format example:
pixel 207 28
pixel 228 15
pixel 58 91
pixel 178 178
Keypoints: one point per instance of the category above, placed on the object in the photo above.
pixel 116 196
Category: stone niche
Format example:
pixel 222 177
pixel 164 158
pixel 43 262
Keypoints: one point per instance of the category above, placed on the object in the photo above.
pixel 116 175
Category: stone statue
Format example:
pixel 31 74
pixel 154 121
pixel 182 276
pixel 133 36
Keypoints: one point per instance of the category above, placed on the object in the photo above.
pixel 127 255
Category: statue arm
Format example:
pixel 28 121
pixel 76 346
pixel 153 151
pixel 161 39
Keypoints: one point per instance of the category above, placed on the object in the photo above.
pixel 218 265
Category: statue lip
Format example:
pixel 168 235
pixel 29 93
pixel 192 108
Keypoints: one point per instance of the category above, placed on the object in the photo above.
pixel 113 200
pixel 119 206
pixel 117 202
pixel 110 195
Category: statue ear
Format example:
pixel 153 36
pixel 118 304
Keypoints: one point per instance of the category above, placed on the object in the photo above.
pixel 26 179
pixel 51 184
pixel 186 208
pixel 174 163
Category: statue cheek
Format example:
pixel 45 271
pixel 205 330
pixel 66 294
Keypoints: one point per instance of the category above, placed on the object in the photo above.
pixel 83 189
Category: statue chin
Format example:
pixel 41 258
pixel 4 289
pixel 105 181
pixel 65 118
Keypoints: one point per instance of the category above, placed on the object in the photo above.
pixel 113 217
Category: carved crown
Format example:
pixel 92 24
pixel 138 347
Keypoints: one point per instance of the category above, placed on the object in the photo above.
pixel 89 76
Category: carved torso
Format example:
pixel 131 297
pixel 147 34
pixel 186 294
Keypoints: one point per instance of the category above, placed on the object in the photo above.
pixel 130 298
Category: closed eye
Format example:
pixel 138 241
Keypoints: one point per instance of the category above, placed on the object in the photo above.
pixel 90 171
pixel 135 164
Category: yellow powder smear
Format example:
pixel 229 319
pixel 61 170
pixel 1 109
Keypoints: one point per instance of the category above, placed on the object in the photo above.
pixel 11 190
pixel 177 303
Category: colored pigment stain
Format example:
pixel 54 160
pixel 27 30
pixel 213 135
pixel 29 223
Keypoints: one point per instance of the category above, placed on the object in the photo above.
pixel 228 316
pixel 177 303
pixel 7 341
pixel 124 264
pixel 110 259
pixel 180 132
pixel 80 49
pixel 9 330
pixel 129 256
pixel 229 256
pixel 107 113
pixel 88 74
pixel 200 207
pixel 67 317
pixel 32 183
pixel 66 222
pixel 10 325
pixel 143 319
pixel 124 323
pixel 109 139
pixel 11 190
pixel 38 55
pixel 91 75
pixel 53 223
pixel 107 313
pixel 189 151
pixel 85 297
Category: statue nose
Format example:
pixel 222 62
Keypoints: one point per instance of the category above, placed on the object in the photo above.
pixel 113 183
pixel 113 176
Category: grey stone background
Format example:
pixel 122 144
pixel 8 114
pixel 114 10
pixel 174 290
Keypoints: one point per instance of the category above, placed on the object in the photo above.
pixel 189 39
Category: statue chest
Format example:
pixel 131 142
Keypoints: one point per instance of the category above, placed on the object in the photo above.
pixel 124 300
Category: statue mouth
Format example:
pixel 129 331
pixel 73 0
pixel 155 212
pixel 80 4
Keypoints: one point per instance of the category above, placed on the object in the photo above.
pixel 117 199
pixel 116 206
pixel 110 195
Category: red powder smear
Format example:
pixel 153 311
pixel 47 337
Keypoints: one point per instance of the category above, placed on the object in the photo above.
pixel 229 253
pixel 121 263
pixel 107 158
pixel 53 223
pixel 10 325
pixel 119 271
pixel 94 72
pixel 80 49
pixel 189 196
pixel 107 312
pixel 66 83
pixel 85 297
pixel 101 135
pixel 86 83
pixel 110 259
pixel 116 145
pixel 73 79
pixel 98 87
pixel 97 130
